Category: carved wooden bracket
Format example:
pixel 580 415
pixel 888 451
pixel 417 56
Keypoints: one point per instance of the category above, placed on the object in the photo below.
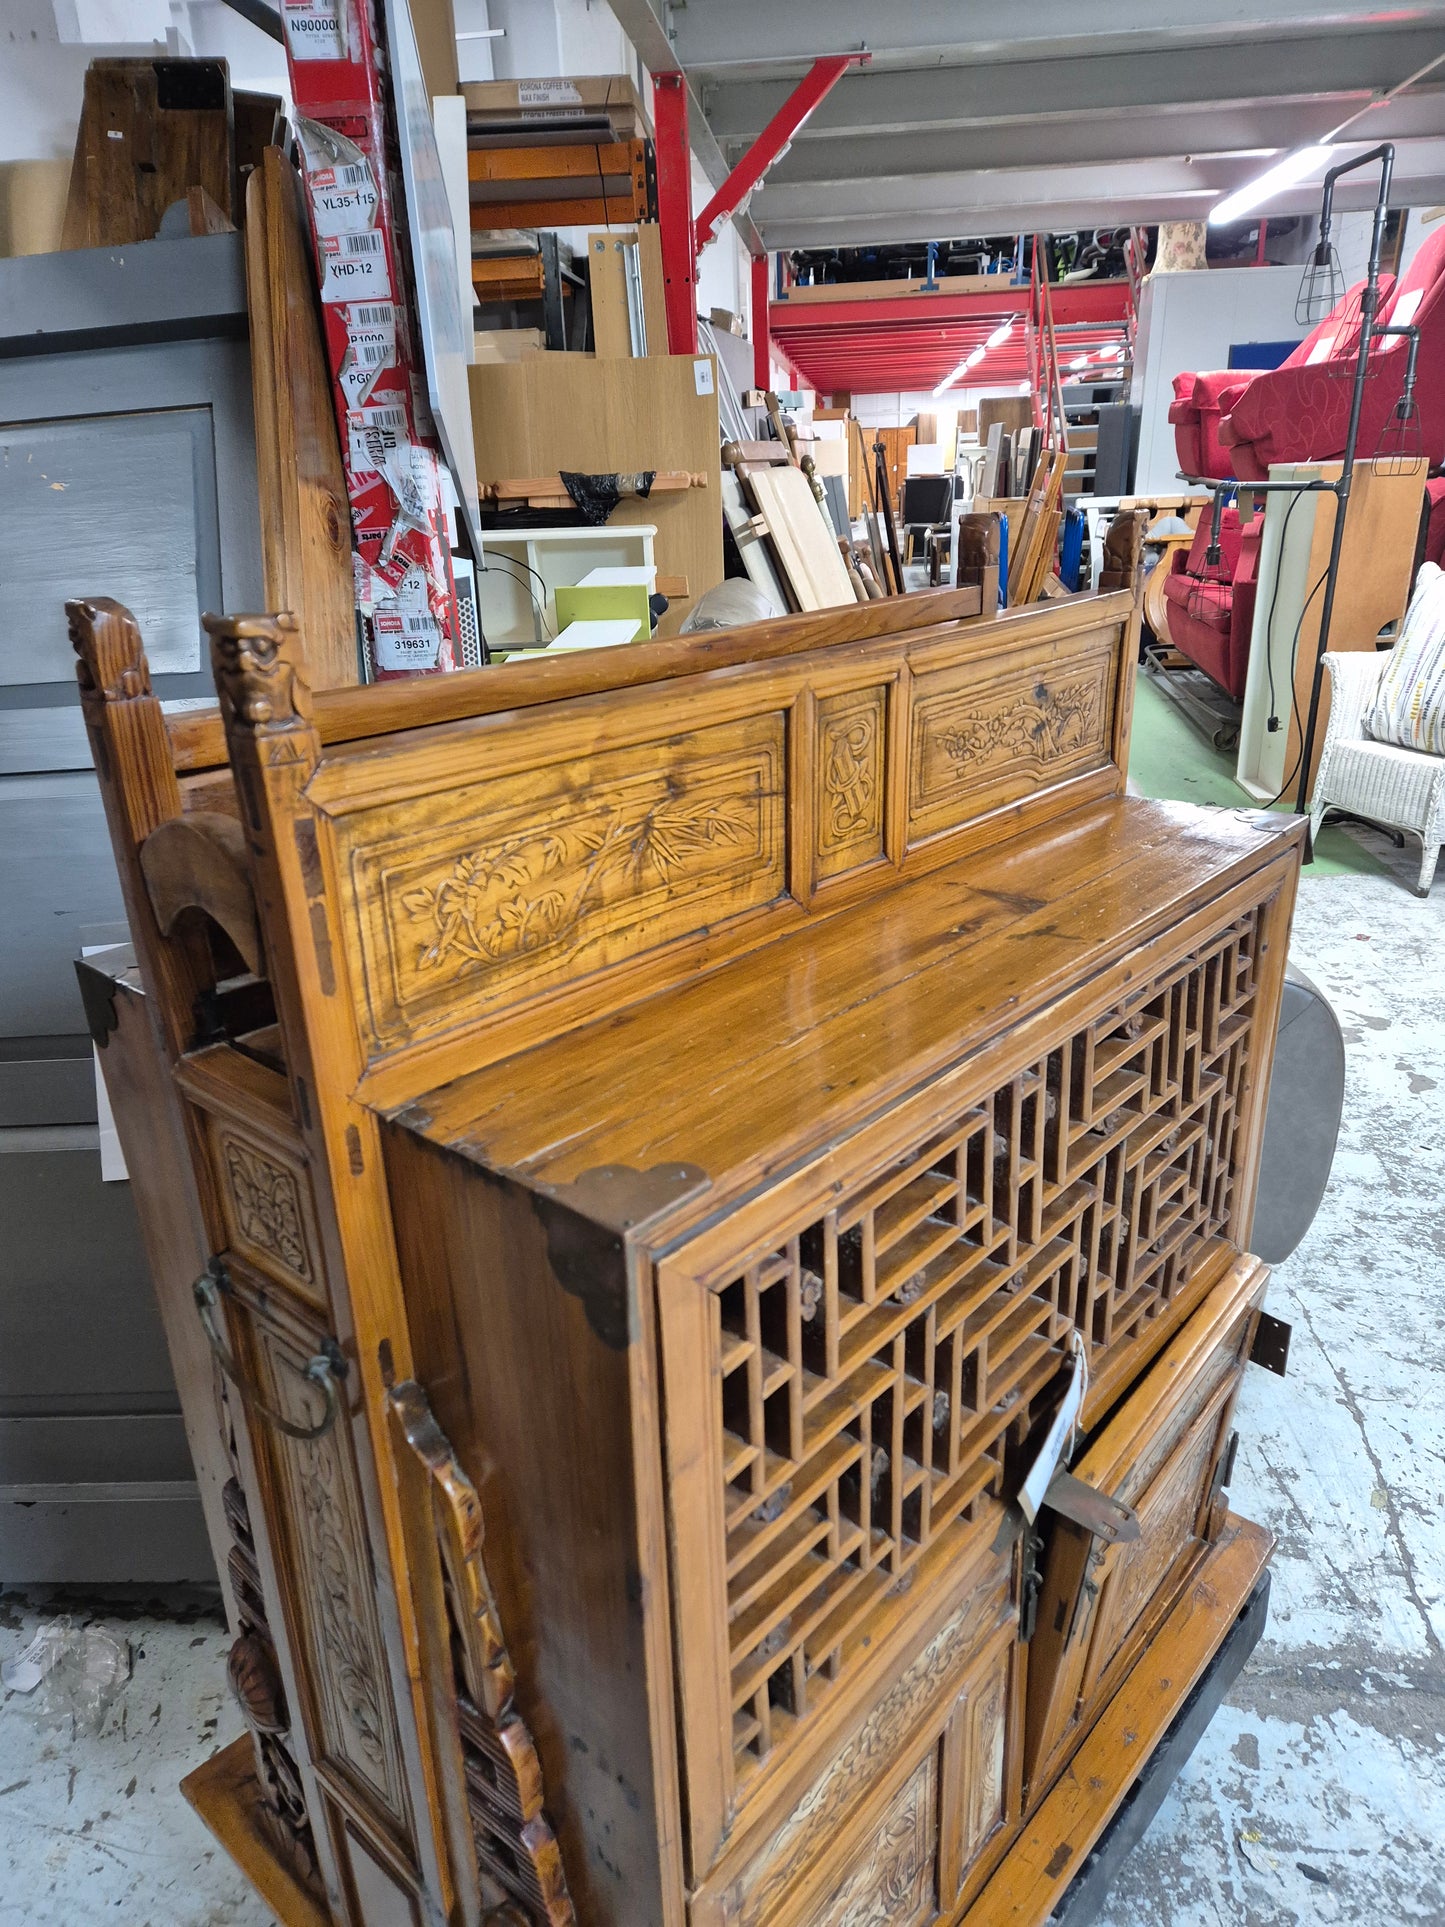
pixel 199 862
pixel 258 667
pixel 516 1846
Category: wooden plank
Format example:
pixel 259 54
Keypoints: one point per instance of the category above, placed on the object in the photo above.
pixel 802 537
pixel 568 411
pixel 1055 1843
pixel 135 153
pixel 305 520
pixel 225 1794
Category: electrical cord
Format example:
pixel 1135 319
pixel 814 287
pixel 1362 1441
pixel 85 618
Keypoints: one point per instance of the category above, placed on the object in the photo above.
pixel 505 567
pixel 1273 720
pixel 1294 690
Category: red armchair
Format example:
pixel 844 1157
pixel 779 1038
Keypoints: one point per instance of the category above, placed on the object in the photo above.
pixel 1301 414
pixel 1210 611
pixel 1202 401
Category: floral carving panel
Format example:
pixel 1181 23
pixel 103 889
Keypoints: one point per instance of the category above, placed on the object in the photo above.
pixel 983 744
pixel 851 739
pixel 334 1600
pixel 560 871
pixel 269 1215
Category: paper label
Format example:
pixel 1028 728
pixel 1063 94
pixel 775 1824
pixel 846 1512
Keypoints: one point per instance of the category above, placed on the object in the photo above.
pixel 354 267
pixel 374 435
pixel 405 641
pixel 547 93
pixel 343 199
pixel 370 349
pixel 315 29
pixel 1031 1497
pixel 702 376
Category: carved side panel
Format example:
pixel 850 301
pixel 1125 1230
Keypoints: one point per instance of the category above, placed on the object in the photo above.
pixel 985 1717
pixel 892 1884
pixel 468 902
pixel 266 1196
pixel 850 764
pixel 979 743
pixel 332 1591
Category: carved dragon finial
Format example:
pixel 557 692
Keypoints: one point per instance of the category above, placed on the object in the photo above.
pixel 257 666
pixel 112 665
pixel 1123 550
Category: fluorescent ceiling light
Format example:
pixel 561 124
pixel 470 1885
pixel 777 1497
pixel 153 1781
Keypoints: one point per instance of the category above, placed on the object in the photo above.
pixel 1287 172
pixel 975 356
pixel 1079 361
pixel 949 379
pixel 1000 334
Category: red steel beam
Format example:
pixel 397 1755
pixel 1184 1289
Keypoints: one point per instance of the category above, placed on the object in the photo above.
pixel 815 86
pixel 1102 301
pixel 674 211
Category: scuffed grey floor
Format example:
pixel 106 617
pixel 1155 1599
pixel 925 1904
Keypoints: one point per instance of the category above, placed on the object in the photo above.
pixel 95 1829
pixel 1318 1793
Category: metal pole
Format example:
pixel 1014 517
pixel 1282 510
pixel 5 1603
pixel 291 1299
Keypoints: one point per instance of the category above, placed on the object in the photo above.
pixel 1369 306
pixel 762 342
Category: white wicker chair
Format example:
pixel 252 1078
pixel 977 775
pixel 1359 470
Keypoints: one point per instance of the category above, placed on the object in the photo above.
pixel 1403 789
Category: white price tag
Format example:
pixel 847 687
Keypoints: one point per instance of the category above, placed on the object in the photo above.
pixel 343 199
pixel 370 348
pixel 315 29
pixel 354 267
pixel 405 641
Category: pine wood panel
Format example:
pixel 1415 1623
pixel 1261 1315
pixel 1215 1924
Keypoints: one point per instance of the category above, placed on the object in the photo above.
pixel 603 415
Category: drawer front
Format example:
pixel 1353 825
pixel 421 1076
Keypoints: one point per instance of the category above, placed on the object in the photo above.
pixel 1160 1454
pixel 848 1364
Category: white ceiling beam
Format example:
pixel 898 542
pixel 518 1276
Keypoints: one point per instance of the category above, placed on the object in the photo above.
pixel 719 34
pixel 826 226
pixel 872 101
pixel 1149 134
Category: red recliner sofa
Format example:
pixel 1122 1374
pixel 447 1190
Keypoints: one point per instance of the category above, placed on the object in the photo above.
pixel 1202 401
pixel 1210 611
pixel 1302 414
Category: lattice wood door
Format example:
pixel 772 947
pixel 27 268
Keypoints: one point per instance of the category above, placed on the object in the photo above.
pixel 845 1402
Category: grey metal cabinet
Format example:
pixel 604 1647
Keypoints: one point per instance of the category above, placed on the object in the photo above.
pixel 127 468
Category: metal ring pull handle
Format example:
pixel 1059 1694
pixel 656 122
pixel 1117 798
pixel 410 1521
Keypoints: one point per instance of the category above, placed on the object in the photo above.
pixel 323 1371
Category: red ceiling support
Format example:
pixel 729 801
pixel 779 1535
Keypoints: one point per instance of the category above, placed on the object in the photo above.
pixel 811 90
pixel 762 350
pixel 674 211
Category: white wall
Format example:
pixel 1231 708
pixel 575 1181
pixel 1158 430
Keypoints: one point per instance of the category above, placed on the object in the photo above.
pixel 42 80
pixel 896 411
pixel 1188 322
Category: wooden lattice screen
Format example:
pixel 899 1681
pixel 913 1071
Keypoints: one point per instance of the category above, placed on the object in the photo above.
pixel 877 1365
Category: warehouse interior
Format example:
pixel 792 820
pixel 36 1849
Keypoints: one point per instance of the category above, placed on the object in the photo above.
pixel 722 1058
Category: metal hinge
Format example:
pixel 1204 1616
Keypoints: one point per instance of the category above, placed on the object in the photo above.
pixel 1271 1344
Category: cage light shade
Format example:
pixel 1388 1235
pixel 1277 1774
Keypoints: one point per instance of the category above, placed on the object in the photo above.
pixel 1287 172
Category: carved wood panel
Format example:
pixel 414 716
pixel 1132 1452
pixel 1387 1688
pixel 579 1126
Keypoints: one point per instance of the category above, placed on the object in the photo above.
pixel 760 1893
pixel 892 1883
pixel 471 902
pixel 852 730
pixel 978 741
pixel 333 1595
pixel 266 1196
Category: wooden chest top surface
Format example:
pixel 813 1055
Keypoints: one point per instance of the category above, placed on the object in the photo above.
pixel 739 1072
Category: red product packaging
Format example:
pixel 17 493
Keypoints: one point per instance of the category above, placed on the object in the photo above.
pixel 390 452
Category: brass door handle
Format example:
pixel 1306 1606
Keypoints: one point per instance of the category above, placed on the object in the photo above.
pixel 323 1371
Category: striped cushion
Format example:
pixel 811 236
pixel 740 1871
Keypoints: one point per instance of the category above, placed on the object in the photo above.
pixel 1409 704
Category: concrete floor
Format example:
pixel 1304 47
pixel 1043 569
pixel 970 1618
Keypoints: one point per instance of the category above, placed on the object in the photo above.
pixel 1318 1793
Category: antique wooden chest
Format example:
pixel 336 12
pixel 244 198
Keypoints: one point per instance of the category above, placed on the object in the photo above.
pixel 695 1113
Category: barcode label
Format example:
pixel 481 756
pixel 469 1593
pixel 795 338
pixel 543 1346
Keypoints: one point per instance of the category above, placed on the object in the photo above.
pixel 405 641
pixel 354 264
pixel 344 199
pixel 387 415
pixel 314 29
pixel 381 315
